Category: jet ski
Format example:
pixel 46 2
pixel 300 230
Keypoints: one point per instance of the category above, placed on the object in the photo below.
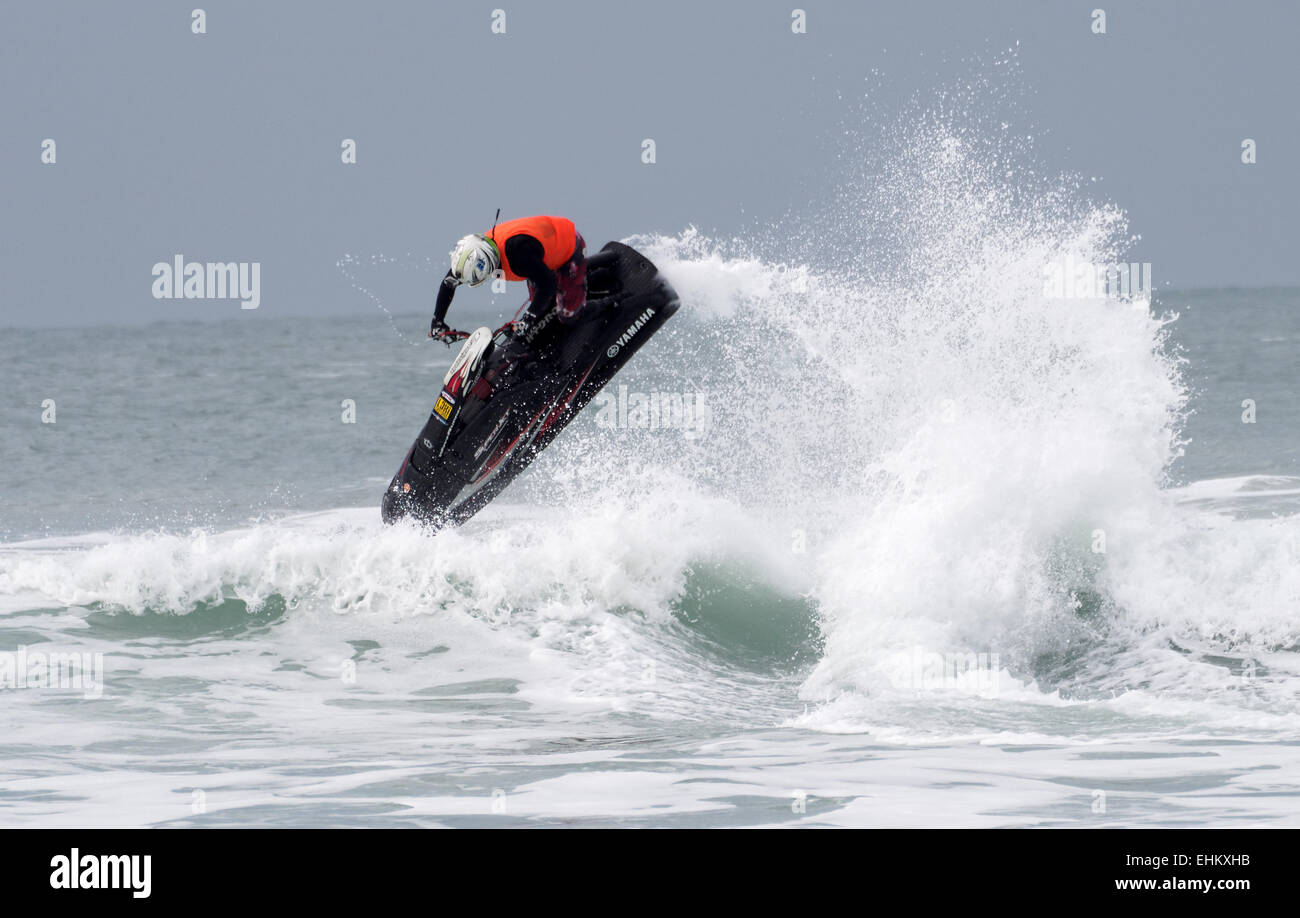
pixel 505 398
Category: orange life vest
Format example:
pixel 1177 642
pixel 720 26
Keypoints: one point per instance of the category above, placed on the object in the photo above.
pixel 556 234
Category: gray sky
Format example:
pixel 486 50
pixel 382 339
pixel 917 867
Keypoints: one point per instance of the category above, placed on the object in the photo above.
pixel 226 146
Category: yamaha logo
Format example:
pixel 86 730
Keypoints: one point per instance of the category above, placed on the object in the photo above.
pixel 627 335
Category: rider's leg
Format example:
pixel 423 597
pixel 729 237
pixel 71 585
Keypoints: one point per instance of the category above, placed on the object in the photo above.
pixel 571 285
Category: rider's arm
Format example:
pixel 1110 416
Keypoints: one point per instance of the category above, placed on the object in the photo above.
pixel 446 290
pixel 527 259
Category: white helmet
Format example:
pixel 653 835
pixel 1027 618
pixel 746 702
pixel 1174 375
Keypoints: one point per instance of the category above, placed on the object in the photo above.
pixel 474 259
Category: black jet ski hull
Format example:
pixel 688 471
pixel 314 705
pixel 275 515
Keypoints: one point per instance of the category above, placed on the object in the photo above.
pixel 498 410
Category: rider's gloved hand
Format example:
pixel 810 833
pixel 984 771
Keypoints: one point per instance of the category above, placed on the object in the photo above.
pixel 439 331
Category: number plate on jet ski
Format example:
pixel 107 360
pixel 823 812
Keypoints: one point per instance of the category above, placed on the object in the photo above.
pixel 442 408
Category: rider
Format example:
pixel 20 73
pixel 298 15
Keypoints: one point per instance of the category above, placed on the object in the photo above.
pixel 548 252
